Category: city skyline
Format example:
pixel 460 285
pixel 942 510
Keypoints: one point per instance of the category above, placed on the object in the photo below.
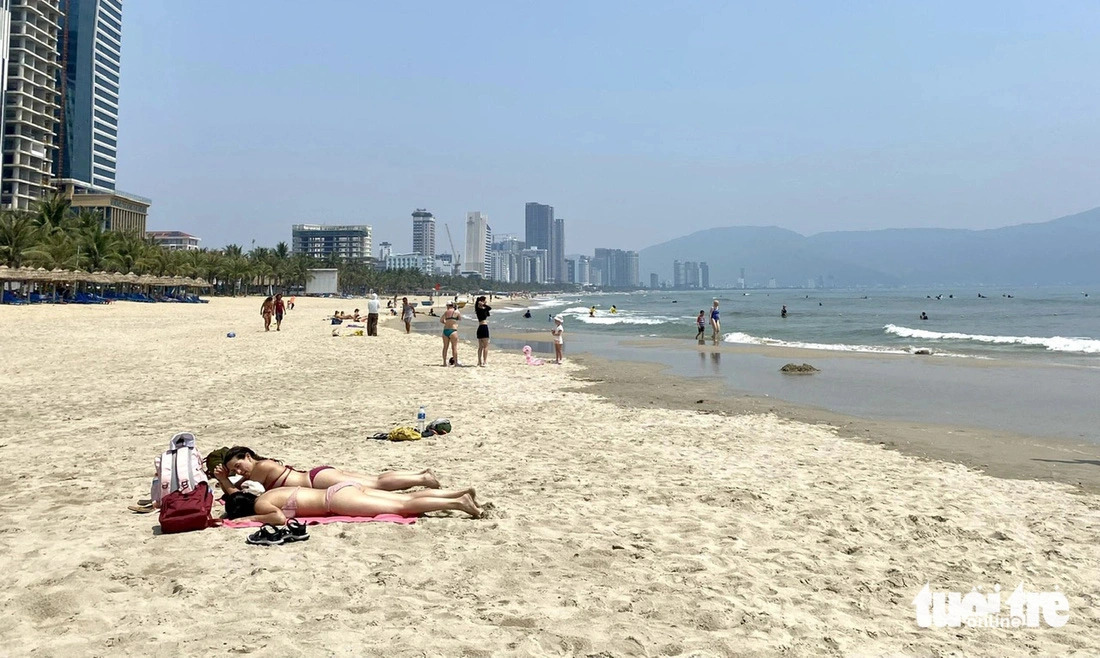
pixel 723 123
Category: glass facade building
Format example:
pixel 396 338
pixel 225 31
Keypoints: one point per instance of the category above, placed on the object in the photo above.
pixel 90 47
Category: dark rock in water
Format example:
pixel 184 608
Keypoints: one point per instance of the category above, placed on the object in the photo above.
pixel 795 369
pixel 923 350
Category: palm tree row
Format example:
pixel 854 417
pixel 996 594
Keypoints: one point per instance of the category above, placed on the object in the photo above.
pixel 55 236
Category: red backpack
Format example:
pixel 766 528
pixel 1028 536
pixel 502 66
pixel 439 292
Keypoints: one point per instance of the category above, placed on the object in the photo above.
pixel 185 497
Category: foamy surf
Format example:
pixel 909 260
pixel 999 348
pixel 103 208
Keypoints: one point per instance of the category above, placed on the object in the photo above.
pixel 1053 344
pixel 747 339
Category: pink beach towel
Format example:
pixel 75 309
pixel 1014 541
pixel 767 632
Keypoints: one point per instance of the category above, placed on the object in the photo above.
pixel 321 520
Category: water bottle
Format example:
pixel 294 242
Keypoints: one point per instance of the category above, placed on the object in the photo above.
pixel 421 419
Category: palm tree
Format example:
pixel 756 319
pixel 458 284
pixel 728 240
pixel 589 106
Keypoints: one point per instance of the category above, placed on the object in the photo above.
pixel 132 253
pixel 97 248
pixel 51 213
pixel 56 250
pixel 18 237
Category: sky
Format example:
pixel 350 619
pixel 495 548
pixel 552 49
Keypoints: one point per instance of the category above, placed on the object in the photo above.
pixel 638 121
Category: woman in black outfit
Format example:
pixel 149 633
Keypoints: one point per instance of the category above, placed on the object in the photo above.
pixel 482 310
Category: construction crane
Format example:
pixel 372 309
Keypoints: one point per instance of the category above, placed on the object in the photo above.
pixel 457 261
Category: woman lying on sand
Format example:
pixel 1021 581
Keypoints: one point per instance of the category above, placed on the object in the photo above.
pixel 347 499
pixel 273 474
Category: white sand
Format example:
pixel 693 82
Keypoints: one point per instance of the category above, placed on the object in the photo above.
pixel 615 531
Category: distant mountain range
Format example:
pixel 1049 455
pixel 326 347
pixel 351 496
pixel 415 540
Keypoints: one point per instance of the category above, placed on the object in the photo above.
pixel 1061 251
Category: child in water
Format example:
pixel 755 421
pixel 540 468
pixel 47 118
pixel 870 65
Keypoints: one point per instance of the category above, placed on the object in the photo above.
pixel 701 323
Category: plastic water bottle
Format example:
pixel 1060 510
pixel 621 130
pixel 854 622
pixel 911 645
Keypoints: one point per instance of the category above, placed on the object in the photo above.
pixel 421 419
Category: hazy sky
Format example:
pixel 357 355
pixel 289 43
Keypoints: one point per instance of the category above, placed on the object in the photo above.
pixel 637 121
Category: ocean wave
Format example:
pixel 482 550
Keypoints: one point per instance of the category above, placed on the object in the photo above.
pixel 604 317
pixel 747 339
pixel 1052 344
pixel 536 305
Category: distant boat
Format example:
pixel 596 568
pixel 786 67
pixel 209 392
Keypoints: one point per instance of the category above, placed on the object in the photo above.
pixel 426 303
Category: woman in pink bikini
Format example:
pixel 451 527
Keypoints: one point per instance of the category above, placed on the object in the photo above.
pixel 273 474
pixel 278 506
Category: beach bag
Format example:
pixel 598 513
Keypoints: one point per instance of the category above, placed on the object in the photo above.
pixel 184 512
pixel 181 488
pixel 404 434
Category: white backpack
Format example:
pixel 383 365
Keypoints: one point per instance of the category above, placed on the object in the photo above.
pixel 178 469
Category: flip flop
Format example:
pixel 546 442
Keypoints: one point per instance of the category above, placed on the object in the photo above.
pixel 141 509
pixel 296 531
pixel 268 535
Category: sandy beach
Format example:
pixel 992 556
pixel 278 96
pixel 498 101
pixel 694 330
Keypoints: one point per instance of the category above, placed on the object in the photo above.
pixel 619 524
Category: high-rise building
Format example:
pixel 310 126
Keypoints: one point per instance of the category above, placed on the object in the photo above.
pixel 677 274
pixel 478 243
pixel 532 266
pixel 619 268
pixel 704 275
pixel 424 233
pixel 570 270
pixel 384 251
pixel 5 42
pixel 691 274
pixel 584 273
pixel 30 103
pixel 347 243
pixel 653 280
pixel 557 252
pixel 539 233
pixel 90 50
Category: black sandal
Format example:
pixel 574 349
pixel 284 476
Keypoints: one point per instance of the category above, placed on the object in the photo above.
pixel 268 535
pixel 296 531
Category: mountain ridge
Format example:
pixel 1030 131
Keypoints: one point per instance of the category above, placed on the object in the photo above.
pixel 1065 250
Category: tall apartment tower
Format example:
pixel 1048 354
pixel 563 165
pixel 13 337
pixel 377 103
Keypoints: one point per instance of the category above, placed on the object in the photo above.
pixel 557 252
pixel 30 103
pixel 5 43
pixel 477 247
pixel 539 231
pixel 90 47
pixel 424 233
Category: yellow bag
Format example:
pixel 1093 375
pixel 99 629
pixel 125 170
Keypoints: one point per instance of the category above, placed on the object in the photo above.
pixel 404 434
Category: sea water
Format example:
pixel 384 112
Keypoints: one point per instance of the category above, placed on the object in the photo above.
pixel 1021 360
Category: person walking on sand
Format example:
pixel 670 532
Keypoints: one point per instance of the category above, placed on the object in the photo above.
pixel 280 309
pixel 715 322
pixel 701 323
pixel 481 308
pixel 558 332
pixel 408 312
pixel 450 319
pixel 290 304
pixel 267 309
pixel 372 315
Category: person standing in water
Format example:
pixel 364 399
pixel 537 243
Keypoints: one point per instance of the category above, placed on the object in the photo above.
pixel 482 310
pixel 701 323
pixel 592 312
pixel 267 309
pixel 783 313
pixel 715 323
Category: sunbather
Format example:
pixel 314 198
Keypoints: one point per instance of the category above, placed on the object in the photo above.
pixel 273 474
pixel 345 498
